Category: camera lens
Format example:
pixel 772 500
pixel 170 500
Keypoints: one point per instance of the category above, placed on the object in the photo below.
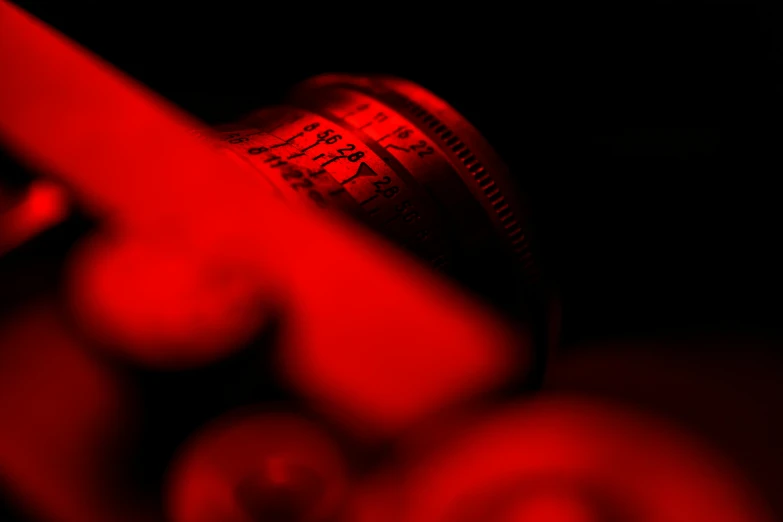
pixel 398 159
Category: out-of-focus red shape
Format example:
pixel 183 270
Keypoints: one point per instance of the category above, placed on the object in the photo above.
pixel 175 310
pixel 367 334
pixel 521 457
pixel 62 416
pixel 257 466
pixel 42 205
pixel 553 507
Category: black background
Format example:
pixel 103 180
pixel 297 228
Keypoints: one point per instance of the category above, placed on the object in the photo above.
pixel 647 138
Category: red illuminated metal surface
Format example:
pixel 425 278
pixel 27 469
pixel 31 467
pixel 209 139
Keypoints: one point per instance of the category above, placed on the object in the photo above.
pixel 195 252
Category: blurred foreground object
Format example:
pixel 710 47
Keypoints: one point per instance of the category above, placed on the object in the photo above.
pixel 563 458
pixel 23 216
pixel 248 467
